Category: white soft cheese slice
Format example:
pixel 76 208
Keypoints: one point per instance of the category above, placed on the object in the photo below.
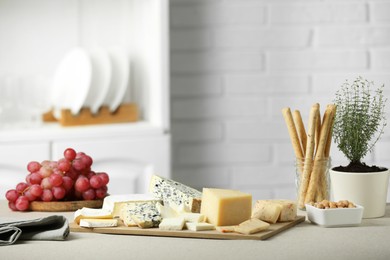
pixel 193 217
pixel 96 223
pixel 172 224
pixel 91 213
pixel 202 226
pixel 114 203
pixel 166 211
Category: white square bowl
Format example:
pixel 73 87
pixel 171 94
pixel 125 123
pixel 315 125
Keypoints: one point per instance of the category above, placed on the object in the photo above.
pixel 335 217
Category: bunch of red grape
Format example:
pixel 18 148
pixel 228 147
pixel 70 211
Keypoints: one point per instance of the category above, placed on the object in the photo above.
pixel 69 178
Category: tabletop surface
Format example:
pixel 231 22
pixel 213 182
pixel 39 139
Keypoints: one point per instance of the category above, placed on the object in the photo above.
pixel 369 240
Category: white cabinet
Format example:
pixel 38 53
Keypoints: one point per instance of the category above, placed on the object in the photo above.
pixel 129 152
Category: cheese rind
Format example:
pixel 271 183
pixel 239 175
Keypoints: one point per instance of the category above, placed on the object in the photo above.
pixel 223 207
pixel 251 226
pixel 175 194
pixel 200 226
pixel 91 213
pixel 114 203
pixel 172 224
pixel 141 214
pixel 96 223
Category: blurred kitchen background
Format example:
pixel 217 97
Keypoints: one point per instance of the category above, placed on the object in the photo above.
pixel 210 78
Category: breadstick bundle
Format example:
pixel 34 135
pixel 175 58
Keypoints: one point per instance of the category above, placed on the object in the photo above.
pixel 311 148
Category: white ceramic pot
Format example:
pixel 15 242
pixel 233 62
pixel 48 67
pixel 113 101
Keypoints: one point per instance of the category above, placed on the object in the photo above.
pixel 366 189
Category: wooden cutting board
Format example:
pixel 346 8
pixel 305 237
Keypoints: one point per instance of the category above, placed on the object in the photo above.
pixel 123 230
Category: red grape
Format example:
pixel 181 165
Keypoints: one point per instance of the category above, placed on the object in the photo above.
pixel 36 190
pixel 67 182
pixel 58 192
pixel 70 154
pixel 22 203
pixel 81 184
pixel 21 187
pixel 35 178
pixel 29 195
pixel 89 194
pixel 12 195
pixel 78 165
pixel 45 171
pixel 64 165
pixel 47 195
pixel 55 179
pixel 72 173
pixel 101 192
pixel 12 206
pixel 104 176
pixel 33 166
pixel 87 160
pixel 45 184
pixel 96 182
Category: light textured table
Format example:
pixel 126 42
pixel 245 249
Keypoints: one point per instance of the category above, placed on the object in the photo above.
pixel 370 240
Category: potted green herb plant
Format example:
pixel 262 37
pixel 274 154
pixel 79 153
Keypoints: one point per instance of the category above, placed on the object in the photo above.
pixel 359 123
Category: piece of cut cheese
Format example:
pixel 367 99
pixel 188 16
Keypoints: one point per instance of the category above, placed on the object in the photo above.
pixel 166 211
pixel 251 226
pixel 114 203
pixel 96 223
pixel 91 213
pixel 266 211
pixel 199 226
pixel 288 211
pixel 223 207
pixel 172 224
pixel 175 194
pixel 193 217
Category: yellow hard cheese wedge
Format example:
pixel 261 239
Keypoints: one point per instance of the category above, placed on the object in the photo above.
pixel 91 213
pixel 223 207
pixel 251 226
pixel 96 223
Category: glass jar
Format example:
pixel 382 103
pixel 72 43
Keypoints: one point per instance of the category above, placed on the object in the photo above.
pixel 312 180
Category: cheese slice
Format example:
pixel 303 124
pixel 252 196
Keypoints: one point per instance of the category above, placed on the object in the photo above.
pixel 200 226
pixel 141 214
pixel 251 226
pixel 223 207
pixel 267 211
pixel 91 213
pixel 193 217
pixel 175 194
pixel 96 223
pixel 166 211
pixel 114 203
pixel 172 224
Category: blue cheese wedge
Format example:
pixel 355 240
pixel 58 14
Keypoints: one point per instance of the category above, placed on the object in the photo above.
pixel 96 223
pixel 175 194
pixel 114 203
pixel 141 214
pixel 172 224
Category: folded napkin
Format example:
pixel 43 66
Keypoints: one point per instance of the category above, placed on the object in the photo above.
pixel 48 228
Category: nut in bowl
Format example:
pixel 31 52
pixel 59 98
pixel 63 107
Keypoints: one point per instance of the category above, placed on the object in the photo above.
pixel 335 216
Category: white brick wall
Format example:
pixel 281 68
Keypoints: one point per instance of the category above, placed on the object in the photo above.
pixel 235 64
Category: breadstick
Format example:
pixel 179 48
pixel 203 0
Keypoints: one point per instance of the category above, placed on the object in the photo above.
pixel 292 132
pixel 305 176
pixel 319 155
pixel 300 129
pixel 318 126
pixel 329 139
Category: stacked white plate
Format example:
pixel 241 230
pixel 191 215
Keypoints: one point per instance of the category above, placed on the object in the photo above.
pixel 90 78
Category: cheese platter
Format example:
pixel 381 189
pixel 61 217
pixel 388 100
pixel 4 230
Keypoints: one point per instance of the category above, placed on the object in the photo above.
pixel 121 229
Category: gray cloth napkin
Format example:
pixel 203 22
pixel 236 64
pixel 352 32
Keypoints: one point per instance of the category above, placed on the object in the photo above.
pixel 48 228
